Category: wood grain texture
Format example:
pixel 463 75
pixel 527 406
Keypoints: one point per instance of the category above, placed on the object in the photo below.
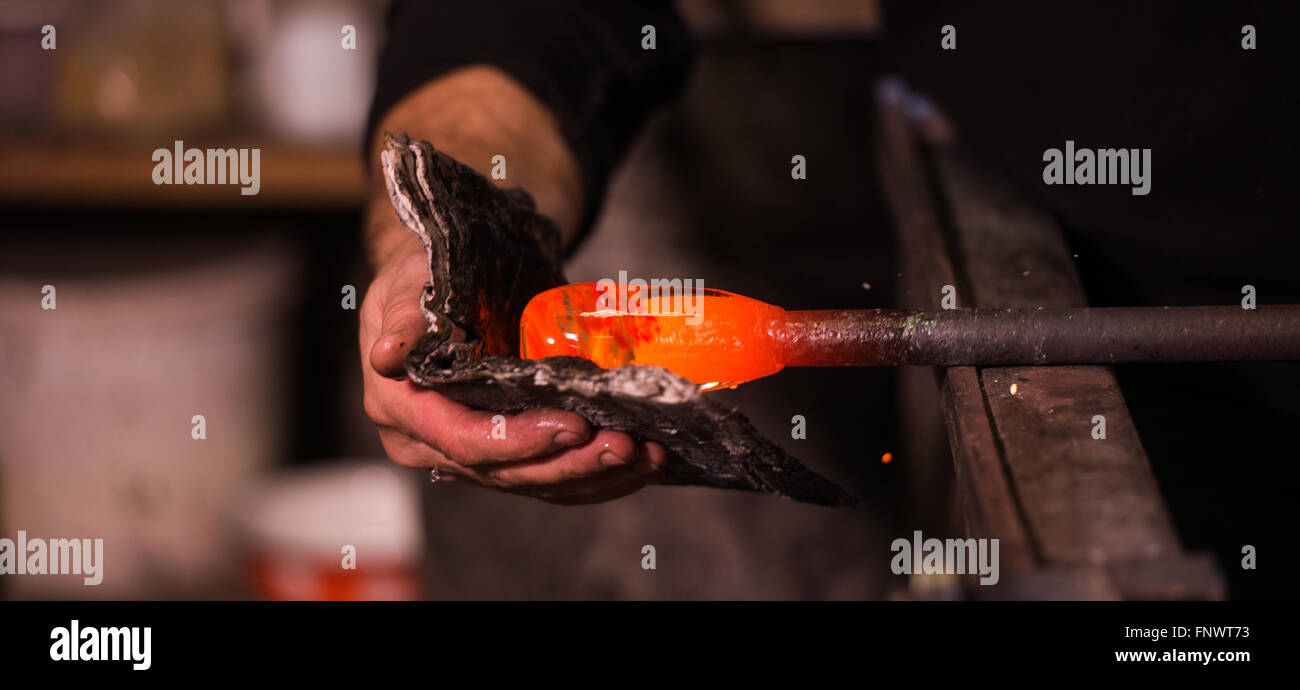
pixel 982 490
pixel 1080 517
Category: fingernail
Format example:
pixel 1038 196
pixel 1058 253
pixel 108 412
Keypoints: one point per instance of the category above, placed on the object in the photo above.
pixel 611 459
pixel 567 438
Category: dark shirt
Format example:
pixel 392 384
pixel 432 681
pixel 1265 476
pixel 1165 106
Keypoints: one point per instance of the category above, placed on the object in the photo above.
pixel 582 58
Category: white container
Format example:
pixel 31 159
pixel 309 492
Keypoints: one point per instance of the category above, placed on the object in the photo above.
pixel 302 79
pixel 99 397
pixel 345 531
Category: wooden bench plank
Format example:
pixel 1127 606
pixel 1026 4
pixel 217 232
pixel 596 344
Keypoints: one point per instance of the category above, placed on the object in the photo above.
pixel 1083 516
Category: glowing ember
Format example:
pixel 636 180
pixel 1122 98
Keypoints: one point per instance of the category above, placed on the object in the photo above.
pixel 884 459
pixel 1013 389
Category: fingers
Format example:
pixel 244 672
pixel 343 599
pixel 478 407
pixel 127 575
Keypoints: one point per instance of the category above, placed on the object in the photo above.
pixel 608 466
pixel 611 485
pixel 602 485
pixel 472 437
pixel 605 451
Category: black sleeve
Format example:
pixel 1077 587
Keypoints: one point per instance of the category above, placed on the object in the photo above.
pixel 582 58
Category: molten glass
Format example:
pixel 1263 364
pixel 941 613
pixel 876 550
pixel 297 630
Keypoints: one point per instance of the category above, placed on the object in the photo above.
pixel 710 337
pixel 719 339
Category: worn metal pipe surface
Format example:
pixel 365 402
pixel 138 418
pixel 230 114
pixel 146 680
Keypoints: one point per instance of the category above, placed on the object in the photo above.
pixel 1005 337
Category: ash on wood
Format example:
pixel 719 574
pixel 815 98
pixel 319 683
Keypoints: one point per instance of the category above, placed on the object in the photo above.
pixel 489 253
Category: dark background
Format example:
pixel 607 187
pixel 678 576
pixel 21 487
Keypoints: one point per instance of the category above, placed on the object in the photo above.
pixel 706 193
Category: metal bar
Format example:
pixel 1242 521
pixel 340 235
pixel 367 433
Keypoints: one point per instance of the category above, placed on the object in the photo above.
pixel 1007 337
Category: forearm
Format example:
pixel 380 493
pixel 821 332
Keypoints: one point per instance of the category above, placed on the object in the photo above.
pixel 473 114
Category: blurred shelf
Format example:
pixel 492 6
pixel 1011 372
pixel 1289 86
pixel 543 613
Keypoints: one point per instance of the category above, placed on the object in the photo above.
pixel 61 173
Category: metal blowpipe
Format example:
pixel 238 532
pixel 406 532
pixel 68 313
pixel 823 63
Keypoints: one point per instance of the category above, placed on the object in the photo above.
pixel 718 338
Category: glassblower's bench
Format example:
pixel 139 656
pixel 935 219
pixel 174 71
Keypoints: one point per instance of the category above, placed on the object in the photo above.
pixel 1078 517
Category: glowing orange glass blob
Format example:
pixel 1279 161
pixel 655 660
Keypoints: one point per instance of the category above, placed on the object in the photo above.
pixel 709 337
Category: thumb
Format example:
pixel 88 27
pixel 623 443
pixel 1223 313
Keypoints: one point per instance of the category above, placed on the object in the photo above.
pixel 402 326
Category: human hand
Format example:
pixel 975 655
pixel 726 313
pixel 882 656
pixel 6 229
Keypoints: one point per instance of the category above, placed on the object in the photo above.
pixel 550 454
